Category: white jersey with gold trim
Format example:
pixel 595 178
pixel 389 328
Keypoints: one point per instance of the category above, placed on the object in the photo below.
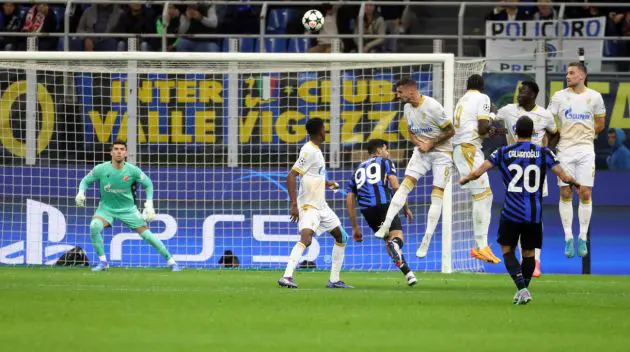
pixel 470 108
pixel 427 121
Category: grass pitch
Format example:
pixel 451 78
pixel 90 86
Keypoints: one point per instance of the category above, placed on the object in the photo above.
pixel 54 309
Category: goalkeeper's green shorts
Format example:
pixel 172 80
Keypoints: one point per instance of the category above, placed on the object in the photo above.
pixel 130 217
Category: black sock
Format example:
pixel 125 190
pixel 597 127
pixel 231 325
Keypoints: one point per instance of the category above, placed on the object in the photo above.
pixel 399 260
pixel 514 268
pixel 527 267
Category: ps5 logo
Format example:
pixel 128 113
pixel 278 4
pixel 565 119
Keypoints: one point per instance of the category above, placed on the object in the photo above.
pixel 32 250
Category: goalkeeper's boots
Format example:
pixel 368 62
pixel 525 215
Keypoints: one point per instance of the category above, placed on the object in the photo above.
pixel 101 266
pixel 582 249
pixel 175 268
pixel 485 254
pixel 338 284
pixel 537 271
pixel 382 232
pixel 287 282
pixel 569 248
pixel 424 247
pixel 524 296
pixel 411 278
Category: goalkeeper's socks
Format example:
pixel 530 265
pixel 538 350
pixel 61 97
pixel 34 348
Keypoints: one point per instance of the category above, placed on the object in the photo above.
pixel 514 268
pixel 527 267
pixel 296 254
pixel 171 261
pixel 395 249
pixel 96 226
pixel 155 242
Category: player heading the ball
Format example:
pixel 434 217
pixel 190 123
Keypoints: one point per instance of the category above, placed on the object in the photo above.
pixel 430 130
pixel 309 208
pixel 117 182
pixel 523 166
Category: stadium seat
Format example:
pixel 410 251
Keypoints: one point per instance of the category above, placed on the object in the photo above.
pixel 278 20
pixel 59 14
pixel 273 45
pixel 248 45
pixel 299 45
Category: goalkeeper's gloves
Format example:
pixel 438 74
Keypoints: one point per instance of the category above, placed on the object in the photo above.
pixel 80 199
pixel 148 213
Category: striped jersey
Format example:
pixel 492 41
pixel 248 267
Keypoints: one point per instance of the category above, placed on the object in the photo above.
pixel 369 182
pixel 523 166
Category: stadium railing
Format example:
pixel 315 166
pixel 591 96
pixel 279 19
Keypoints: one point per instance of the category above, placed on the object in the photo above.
pixel 460 37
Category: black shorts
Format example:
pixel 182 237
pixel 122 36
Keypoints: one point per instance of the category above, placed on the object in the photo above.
pixel 376 215
pixel 529 233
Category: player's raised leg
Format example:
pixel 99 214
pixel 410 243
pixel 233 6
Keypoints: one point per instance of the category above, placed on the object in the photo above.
pixel 398 202
pixel 466 158
pixel 441 164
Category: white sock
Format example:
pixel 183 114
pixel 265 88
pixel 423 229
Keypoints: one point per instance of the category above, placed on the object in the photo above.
pixel 481 217
pixel 566 215
pixel 397 203
pixel 584 215
pixel 338 253
pixel 433 216
pixel 294 258
pixel 102 258
pixel 537 254
pixel 171 261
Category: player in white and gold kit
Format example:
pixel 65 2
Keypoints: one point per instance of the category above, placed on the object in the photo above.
pixel 310 209
pixel 581 116
pixel 544 127
pixel 430 130
pixel 471 124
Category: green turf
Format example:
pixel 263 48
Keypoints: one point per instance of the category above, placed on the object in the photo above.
pixel 46 309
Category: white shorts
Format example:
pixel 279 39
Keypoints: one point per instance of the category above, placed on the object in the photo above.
pixel 438 162
pixel 468 157
pixel 318 220
pixel 579 163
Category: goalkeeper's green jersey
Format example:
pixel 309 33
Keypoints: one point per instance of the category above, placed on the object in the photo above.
pixel 117 186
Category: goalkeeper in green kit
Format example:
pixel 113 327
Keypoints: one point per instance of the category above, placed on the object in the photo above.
pixel 117 181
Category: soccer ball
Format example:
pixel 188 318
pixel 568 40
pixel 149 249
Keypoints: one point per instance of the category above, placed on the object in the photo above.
pixel 313 20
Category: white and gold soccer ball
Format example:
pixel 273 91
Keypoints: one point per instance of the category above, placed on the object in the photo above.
pixel 313 20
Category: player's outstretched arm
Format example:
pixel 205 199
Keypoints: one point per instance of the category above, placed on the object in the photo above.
pixel 149 211
pixel 352 214
pixel 553 139
pixel 291 188
pixel 88 180
pixel 482 169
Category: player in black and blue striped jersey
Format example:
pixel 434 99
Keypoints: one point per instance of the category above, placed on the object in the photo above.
pixel 371 186
pixel 523 166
